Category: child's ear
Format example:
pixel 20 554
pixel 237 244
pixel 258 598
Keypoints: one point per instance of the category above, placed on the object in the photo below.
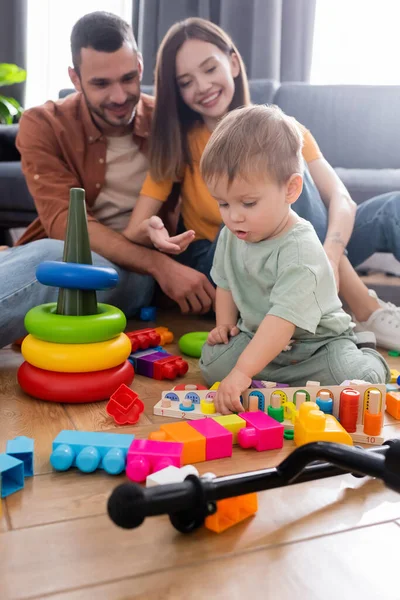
pixel 235 65
pixel 294 187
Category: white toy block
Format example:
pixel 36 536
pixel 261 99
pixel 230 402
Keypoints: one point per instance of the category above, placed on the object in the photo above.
pixel 170 474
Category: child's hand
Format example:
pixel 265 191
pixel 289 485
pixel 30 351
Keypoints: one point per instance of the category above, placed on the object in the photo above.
pixel 162 241
pixel 221 334
pixel 228 394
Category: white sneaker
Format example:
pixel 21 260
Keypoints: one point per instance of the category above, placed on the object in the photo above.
pixel 384 323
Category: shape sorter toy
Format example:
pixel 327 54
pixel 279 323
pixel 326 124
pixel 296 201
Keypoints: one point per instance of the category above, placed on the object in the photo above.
pixel 358 405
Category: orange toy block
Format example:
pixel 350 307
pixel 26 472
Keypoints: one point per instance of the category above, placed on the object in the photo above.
pixel 232 511
pixel 312 425
pixel 194 444
pixel 393 404
pixel 165 334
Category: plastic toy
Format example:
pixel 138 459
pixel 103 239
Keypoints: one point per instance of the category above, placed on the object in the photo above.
pixel 45 324
pixel 170 474
pixel 11 475
pixel 188 387
pixel 76 358
pixel 313 425
pixel 148 313
pixel 232 423
pixel 89 451
pixel 232 511
pixel 158 365
pixel 76 335
pixel 166 335
pixel 219 440
pixel 395 375
pixel 261 432
pixel 148 456
pixel 259 398
pixel 394 353
pixel 393 404
pixel 141 339
pixel 194 443
pixel 191 344
pixel 22 448
pixel 74 276
pixel 73 387
pixel 190 502
pixel 124 406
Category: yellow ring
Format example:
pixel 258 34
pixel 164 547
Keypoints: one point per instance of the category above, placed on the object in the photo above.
pixel 76 358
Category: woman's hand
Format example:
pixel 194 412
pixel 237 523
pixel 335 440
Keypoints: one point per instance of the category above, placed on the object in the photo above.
pixel 161 239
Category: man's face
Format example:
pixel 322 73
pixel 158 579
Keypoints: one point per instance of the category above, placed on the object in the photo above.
pixel 110 82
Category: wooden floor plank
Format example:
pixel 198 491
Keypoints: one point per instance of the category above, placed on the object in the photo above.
pixel 332 567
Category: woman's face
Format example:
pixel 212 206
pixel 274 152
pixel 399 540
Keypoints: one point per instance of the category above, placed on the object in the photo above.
pixel 205 77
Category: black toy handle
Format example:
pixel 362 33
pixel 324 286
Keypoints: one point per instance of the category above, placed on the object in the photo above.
pixel 190 502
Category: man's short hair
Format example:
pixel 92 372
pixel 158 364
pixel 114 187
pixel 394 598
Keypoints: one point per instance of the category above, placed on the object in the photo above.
pixel 254 141
pixel 101 31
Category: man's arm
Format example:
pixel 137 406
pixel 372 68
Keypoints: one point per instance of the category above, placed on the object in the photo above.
pixel 341 208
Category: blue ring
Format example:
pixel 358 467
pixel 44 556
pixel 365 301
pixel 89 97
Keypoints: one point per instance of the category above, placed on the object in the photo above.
pixel 75 276
pixel 186 408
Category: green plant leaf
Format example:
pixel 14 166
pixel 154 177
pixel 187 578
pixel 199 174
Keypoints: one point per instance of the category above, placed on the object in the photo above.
pixel 10 74
pixel 12 105
pixel 5 117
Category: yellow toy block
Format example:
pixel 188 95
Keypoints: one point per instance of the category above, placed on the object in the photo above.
pixel 194 444
pixel 215 385
pixel 312 425
pixel 207 407
pixel 393 404
pixel 232 423
pixel 394 375
pixel 232 511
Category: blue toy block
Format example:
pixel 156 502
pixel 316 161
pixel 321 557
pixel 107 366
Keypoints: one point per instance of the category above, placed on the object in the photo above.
pixel 11 475
pixel 91 450
pixel 148 313
pixel 21 447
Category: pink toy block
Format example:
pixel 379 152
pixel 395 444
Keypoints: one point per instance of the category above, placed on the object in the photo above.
pixel 219 440
pixel 148 456
pixel 262 432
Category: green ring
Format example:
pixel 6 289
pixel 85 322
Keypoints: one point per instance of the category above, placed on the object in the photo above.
pixel 191 344
pixel 45 324
pixel 288 434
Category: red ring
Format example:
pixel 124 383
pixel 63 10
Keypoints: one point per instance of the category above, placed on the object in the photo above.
pixel 73 388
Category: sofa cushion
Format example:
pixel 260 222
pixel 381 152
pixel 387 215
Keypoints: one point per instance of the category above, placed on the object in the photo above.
pixel 356 126
pixel 17 208
pixel 8 150
pixel 367 183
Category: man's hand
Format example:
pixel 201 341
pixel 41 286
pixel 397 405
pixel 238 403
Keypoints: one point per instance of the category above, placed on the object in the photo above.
pixel 228 394
pixel 222 334
pixel 186 286
pixel 161 239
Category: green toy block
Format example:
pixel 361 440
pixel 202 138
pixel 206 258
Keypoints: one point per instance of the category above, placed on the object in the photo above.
pixel 77 250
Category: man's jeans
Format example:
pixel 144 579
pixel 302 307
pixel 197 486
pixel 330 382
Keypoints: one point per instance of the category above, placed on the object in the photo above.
pixel 20 290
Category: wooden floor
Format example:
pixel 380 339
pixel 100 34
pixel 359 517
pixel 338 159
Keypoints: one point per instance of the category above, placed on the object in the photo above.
pixel 308 541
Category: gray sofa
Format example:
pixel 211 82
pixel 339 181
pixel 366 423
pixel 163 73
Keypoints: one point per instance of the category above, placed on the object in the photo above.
pixel 357 128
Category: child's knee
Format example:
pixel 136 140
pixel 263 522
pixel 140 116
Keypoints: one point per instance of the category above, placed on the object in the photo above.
pixel 217 361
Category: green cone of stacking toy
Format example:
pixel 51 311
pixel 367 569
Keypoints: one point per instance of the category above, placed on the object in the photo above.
pixel 77 250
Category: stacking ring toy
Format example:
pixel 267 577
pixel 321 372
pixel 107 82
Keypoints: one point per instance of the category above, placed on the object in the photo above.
pixel 75 276
pixel 76 358
pixel 192 343
pixel 73 388
pixel 45 324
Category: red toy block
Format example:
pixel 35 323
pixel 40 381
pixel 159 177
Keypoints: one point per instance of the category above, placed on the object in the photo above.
pixel 219 440
pixel 170 367
pixel 124 406
pixel 262 432
pixel 142 339
pixel 148 456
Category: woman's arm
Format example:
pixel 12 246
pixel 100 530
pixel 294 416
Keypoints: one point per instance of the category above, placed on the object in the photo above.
pixel 137 228
pixel 341 208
